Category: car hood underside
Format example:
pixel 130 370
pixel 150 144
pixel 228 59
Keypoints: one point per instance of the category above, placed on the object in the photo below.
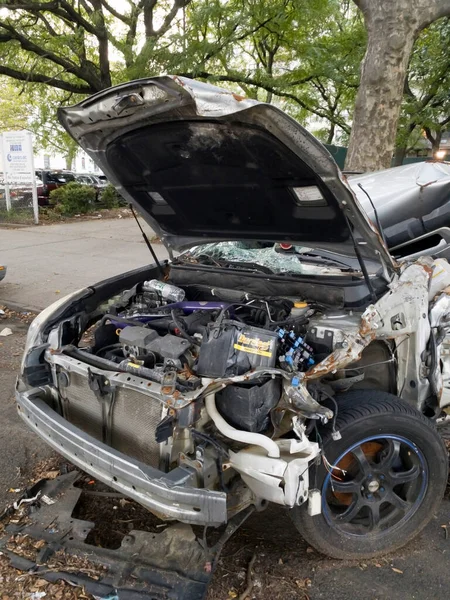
pixel 203 164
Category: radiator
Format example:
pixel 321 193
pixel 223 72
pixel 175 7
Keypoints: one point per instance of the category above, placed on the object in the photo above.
pixel 134 418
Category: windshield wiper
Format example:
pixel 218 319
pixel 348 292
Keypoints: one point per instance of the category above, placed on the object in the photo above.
pixel 222 263
pixel 320 260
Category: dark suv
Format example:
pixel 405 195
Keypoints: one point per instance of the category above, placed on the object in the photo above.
pixel 51 179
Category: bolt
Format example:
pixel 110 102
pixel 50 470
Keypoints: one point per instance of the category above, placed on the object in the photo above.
pixel 369 496
pixel 382 477
pixel 382 489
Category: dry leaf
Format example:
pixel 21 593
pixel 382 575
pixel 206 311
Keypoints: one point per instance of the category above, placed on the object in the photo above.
pixel 397 570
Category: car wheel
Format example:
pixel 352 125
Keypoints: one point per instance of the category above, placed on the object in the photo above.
pixel 381 483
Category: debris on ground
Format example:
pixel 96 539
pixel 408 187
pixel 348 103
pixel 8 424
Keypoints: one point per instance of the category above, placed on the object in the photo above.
pixel 5 332
pixel 27 586
pixel 25 316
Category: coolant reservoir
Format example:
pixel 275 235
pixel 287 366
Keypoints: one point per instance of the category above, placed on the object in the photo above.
pixel 299 309
pixel 440 279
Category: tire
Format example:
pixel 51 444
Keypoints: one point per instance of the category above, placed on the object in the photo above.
pixel 395 468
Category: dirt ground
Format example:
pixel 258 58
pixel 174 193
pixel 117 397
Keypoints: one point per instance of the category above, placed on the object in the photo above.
pixel 283 567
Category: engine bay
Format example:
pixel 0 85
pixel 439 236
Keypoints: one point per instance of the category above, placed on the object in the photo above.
pixel 155 332
pixel 213 338
pixel 247 348
pixel 214 380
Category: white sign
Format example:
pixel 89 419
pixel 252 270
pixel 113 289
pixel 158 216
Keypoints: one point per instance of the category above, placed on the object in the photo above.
pixel 18 165
pixel 18 157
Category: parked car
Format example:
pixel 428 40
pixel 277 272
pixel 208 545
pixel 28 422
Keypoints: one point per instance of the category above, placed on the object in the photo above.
pixel 236 375
pixel 93 181
pixel 51 180
pixel 412 203
pixel 2 272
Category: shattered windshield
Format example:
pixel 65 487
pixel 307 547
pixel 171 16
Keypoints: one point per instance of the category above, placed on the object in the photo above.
pixel 274 258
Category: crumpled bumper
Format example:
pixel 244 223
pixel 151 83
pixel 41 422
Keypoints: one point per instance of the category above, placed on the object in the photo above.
pixel 168 495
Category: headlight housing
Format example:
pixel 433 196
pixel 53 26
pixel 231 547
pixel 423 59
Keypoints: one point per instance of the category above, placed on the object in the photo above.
pixel 36 333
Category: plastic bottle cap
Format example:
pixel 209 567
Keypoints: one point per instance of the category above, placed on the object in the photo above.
pixel 300 304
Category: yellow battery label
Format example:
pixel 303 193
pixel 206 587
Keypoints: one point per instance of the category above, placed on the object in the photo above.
pixel 252 350
pixel 253 345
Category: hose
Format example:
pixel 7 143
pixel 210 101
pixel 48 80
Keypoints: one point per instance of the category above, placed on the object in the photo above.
pixel 181 329
pixel 238 435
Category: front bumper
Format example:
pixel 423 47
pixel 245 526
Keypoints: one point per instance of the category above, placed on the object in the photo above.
pixel 167 495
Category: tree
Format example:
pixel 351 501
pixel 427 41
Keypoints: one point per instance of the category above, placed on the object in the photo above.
pixel 426 102
pixel 303 55
pixel 392 27
pixel 67 44
pixel 14 111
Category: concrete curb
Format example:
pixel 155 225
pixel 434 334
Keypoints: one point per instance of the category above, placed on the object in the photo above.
pixel 16 307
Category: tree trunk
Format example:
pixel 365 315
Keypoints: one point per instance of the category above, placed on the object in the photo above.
pixel 331 131
pixel 392 26
pixel 390 41
pixel 399 156
pixel 435 140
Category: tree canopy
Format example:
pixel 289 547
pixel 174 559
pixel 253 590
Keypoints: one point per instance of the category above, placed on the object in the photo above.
pixel 303 55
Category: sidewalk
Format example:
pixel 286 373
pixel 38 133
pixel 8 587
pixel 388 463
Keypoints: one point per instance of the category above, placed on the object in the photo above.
pixel 47 262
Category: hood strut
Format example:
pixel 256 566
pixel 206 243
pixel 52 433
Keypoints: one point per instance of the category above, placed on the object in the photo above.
pixel 361 262
pixel 146 240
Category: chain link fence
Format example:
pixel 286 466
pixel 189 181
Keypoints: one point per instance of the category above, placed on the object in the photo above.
pixel 16 203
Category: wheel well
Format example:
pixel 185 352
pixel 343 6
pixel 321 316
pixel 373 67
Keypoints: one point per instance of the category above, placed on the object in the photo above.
pixel 377 363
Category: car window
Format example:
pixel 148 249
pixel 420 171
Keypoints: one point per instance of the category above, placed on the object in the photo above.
pixel 59 177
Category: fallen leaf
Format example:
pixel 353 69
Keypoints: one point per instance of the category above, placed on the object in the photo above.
pixel 397 570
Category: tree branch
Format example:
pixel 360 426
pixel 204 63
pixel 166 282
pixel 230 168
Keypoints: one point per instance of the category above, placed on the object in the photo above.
pixel 170 16
pixel 67 12
pixel 274 90
pixel 39 78
pixel 148 6
pixel 115 13
pixel 27 44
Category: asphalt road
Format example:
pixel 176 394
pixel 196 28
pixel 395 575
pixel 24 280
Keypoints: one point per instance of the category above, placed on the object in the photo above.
pixel 20 449
pixel 49 261
pixel 62 258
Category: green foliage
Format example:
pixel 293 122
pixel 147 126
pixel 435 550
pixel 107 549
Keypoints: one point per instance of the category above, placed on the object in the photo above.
pixel 110 198
pixel 73 198
pixel 426 102
pixel 301 55
pixel 14 109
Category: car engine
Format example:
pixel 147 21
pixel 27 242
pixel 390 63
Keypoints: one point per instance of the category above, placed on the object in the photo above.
pixel 154 332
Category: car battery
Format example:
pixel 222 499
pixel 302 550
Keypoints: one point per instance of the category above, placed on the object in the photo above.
pixel 233 348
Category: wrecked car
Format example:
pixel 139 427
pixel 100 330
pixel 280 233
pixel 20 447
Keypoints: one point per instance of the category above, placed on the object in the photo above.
pixel 411 204
pixel 234 375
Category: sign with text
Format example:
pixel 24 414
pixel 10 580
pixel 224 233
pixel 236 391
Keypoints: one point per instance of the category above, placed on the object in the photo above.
pixel 18 157
pixel 18 177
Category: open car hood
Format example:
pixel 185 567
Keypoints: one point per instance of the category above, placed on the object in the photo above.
pixel 202 164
